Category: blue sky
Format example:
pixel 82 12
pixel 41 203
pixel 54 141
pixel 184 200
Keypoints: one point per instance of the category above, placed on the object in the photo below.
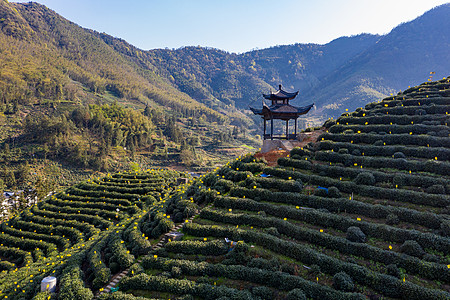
pixel 237 25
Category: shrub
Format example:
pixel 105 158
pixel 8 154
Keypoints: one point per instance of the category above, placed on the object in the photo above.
pixel 348 131
pixel 393 270
pixel 42 296
pixel 445 227
pixel 343 151
pixel 343 282
pixel 432 258
pixel 399 155
pixel 272 231
pixel 436 189
pixel 114 267
pixel 378 143
pixel 263 292
pixel 412 248
pixel 333 192
pixel 295 294
pixel 399 179
pixel 355 234
pixel 315 270
pixel 175 272
pixel 72 287
pixel 135 269
pixel 321 192
pixel 356 152
pixel 392 219
pixel 366 178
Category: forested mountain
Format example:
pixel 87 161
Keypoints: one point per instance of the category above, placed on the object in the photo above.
pixel 364 66
pixel 63 86
pixel 87 100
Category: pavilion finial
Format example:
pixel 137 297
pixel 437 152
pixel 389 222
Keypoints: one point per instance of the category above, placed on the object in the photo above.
pixel 279 87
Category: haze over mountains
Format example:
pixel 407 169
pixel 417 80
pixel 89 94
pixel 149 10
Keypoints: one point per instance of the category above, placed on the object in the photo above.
pixel 343 74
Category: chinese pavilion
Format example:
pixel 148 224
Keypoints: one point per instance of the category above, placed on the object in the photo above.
pixel 282 110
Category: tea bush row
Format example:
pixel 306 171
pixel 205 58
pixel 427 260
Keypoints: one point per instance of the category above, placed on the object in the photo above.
pixel 105 200
pixel 388 139
pixel 336 171
pixel 370 150
pixel 391 129
pixel 94 220
pixel 411 264
pixel 198 247
pixel 278 280
pixel 385 284
pixel 339 222
pixel 60 242
pixel 87 229
pixel 338 205
pixel 100 273
pixel 431 166
pixel 74 235
pixel 394 119
pixel 368 190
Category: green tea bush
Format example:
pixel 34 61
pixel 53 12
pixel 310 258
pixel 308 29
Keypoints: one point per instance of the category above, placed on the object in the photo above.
pixel 392 219
pixel 399 155
pixel 72 287
pixel 269 278
pixel 343 282
pixel 343 151
pixel 393 270
pixel 355 234
pixel 342 204
pixel 333 192
pixel 329 241
pixel 120 253
pixel 119 296
pixel 295 294
pixel 43 296
pixel 272 231
pixel 263 292
pixel 436 189
pixel 217 247
pixel 380 282
pixel 366 178
pixel 412 248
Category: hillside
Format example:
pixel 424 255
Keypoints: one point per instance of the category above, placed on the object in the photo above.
pixel 52 70
pixel 73 102
pixel 362 213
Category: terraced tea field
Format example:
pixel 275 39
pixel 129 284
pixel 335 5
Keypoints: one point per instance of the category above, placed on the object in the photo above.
pixel 363 213
pixel 84 235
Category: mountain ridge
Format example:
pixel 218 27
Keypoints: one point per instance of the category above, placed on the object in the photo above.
pixel 222 80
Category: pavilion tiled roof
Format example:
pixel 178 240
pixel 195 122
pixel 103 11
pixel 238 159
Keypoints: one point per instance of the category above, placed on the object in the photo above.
pixel 280 95
pixel 282 109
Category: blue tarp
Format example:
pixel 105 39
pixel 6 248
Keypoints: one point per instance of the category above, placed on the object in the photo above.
pixel 265 175
pixel 322 188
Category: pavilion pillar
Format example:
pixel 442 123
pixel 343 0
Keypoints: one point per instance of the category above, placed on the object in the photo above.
pixel 264 136
pixel 287 129
pixel 271 128
pixel 295 130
